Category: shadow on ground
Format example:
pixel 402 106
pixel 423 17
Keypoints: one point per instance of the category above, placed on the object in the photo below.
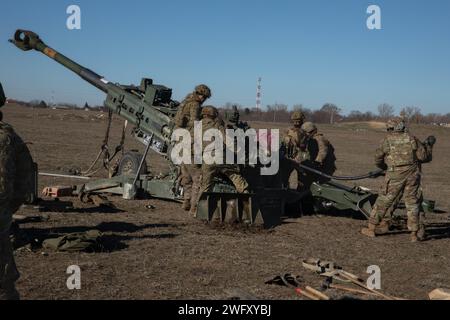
pixel 114 234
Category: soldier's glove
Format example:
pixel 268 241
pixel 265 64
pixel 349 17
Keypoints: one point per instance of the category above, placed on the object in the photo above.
pixel 431 140
pixel 318 164
pixel 382 165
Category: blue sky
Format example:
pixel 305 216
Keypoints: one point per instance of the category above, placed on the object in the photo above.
pixel 307 52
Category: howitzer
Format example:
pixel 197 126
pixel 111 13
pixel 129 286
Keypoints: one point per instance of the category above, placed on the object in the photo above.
pixel 148 106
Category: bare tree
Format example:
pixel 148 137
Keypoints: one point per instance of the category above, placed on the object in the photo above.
pixel 386 111
pixel 412 114
pixel 279 112
pixel 332 110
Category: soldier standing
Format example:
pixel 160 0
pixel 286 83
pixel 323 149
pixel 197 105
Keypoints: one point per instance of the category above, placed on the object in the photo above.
pixel 16 167
pixel 189 111
pixel 295 143
pixel 401 155
pixel 295 139
pixel 321 151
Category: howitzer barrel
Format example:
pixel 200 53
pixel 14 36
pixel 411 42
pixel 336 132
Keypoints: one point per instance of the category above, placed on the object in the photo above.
pixel 149 107
pixel 28 40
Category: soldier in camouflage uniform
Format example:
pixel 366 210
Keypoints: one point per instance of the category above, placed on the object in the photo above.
pixel 209 171
pixel 401 155
pixel 295 139
pixel 295 143
pixel 16 168
pixel 189 111
pixel 320 150
pixel 191 107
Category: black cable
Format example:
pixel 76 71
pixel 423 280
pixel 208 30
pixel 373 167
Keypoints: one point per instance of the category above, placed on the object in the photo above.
pixel 372 174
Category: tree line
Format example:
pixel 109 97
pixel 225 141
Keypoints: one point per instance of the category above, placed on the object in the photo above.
pixel 331 113
pixel 63 105
pixel 279 112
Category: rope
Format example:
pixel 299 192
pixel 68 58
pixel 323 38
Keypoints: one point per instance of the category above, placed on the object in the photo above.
pixel 104 150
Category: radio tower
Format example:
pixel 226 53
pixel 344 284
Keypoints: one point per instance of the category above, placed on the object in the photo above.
pixel 258 94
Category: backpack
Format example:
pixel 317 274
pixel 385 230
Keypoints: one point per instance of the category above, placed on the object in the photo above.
pixel 74 242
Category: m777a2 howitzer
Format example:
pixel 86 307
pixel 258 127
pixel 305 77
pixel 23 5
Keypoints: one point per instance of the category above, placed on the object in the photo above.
pixel 151 110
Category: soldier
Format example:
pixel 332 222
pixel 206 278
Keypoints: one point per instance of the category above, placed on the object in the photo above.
pixel 209 171
pixel 16 168
pixel 191 107
pixel 295 143
pixel 320 150
pixel 295 139
pixel 401 155
pixel 188 112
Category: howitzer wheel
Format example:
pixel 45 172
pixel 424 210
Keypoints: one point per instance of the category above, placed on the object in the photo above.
pixel 129 164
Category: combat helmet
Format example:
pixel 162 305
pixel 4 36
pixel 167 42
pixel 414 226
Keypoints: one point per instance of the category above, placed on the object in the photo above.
pixel 309 127
pixel 203 90
pixel 210 111
pixel 396 124
pixel 297 116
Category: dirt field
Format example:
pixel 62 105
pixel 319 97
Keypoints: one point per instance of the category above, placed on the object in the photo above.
pixel 162 253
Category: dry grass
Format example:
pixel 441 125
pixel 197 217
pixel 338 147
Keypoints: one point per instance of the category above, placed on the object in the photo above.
pixel 165 254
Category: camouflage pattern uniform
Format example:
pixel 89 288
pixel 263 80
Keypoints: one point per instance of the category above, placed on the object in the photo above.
pixel 320 149
pixel 295 139
pixel 209 171
pixel 15 163
pixel 295 143
pixel 401 155
pixel 189 111
pixel 321 152
pixel 191 107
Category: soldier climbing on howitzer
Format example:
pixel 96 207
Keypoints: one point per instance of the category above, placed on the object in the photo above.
pixel 401 155
pixel 188 112
pixel 16 177
pixel 211 120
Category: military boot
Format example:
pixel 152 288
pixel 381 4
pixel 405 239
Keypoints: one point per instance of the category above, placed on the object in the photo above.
pixel 370 230
pixel 193 211
pixel 186 204
pixel 383 227
pixel 421 234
